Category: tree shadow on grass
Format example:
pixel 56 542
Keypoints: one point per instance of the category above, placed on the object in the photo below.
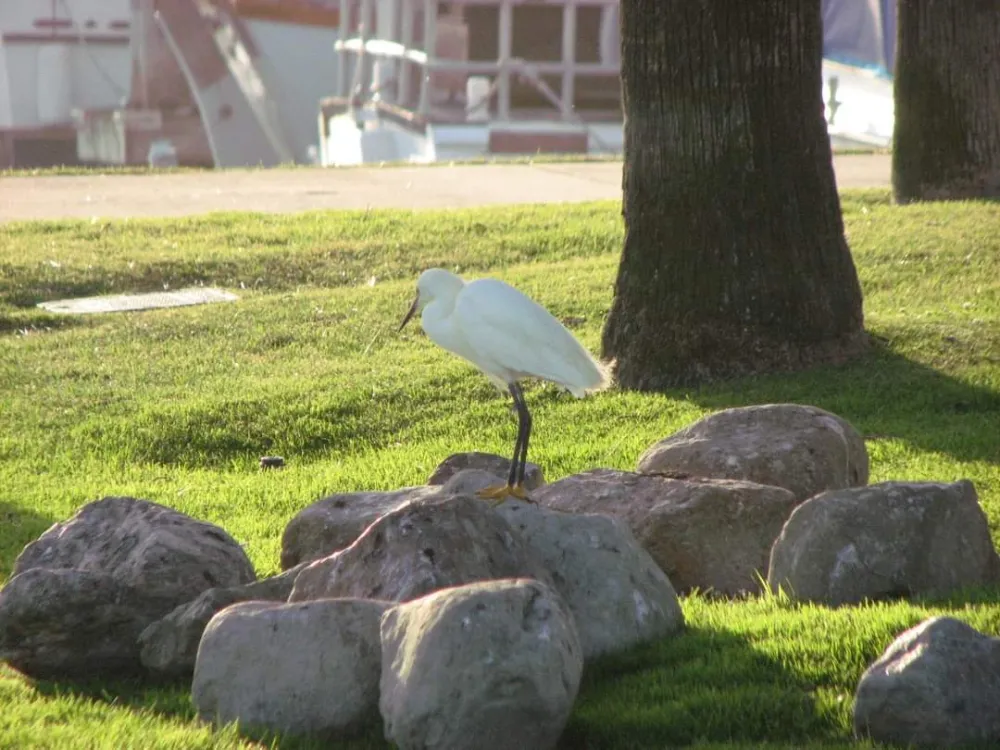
pixel 885 396
pixel 18 527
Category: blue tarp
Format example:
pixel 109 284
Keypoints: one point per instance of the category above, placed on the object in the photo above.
pixel 861 33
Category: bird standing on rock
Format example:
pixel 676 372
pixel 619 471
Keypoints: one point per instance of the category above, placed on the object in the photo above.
pixel 509 337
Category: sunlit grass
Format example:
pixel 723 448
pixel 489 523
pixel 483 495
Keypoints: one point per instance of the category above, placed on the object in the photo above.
pixel 178 405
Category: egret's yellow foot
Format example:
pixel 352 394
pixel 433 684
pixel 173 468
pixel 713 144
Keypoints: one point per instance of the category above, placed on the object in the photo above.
pixel 496 492
pixel 500 492
pixel 520 493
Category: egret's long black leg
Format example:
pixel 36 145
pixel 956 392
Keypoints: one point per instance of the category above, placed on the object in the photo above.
pixel 518 465
pixel 497 493
pixel 512 476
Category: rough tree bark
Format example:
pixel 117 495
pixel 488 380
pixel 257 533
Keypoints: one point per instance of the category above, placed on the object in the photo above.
pixel 946 143
pixel 735 260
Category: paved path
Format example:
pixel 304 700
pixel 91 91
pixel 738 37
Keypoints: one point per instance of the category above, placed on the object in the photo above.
pixel 286 190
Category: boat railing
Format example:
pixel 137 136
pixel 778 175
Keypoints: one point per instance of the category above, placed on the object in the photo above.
pixel 371 53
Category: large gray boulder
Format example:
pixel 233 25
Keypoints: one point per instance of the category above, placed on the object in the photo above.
pixel 804 449
pixel 714 535
pixel 884 541
pixel 169 646
pixel 489 665
pixel 143 544
pixel 82 592
pixel 334 522
pixel 440 541
pixel 308 668
pixel 617 594
pixel 74 624
pixel 937 685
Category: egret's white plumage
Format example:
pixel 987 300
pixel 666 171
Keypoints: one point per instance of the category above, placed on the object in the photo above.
pixel 506 335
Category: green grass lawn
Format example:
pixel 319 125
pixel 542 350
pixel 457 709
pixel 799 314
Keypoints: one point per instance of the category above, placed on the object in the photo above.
pixel 177 405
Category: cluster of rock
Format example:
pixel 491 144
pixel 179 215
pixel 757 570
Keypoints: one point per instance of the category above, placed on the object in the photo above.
pixel 458 622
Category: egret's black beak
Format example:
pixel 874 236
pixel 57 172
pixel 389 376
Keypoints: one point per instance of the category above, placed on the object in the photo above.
pixel 409 313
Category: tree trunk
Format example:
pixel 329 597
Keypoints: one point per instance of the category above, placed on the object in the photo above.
pixel 946 143
pixel 735 260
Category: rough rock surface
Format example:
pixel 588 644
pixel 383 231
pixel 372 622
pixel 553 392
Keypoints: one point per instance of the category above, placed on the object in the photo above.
pixel 334 522
pixel 709 534
pixel 74 624
pixel 495 465
pixel 617 594
pixel 802 448
pixel 440 541
pixel 937 685
pixel 292 668
pixel 95 581
pixel 169 646
pixel 142 544
pixel 488 665
pixel 884 541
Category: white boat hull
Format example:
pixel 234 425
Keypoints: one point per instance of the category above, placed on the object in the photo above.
pixel 859 114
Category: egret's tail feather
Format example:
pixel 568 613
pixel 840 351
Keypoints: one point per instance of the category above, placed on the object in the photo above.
pixel 600 380
pixel 606 370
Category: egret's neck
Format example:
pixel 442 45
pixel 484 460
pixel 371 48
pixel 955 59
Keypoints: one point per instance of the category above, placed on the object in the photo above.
pixel 439 325
pixel 437 314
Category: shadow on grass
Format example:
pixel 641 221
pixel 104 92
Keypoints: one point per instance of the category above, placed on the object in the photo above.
pixel 707 685
pixel 885 396
pixel 169 701
pixel 173 703
pixel 704 686
pixel 964 598
pixel 18 527
pixel 35 322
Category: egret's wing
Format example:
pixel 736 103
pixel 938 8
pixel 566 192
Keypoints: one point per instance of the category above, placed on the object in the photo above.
pixel 513 336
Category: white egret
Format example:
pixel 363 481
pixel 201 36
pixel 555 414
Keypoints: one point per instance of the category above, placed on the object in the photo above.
pixel 509 337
